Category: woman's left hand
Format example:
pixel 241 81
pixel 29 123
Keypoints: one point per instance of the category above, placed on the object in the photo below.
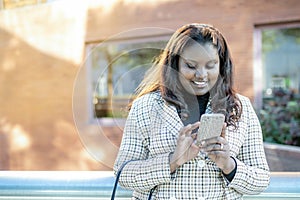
pixel 218 150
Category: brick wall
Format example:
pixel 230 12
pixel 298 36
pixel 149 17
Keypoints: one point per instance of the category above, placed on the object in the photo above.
pixel 41 51
pixel 235 18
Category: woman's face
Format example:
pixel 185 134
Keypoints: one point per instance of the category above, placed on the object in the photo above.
pixel 199 68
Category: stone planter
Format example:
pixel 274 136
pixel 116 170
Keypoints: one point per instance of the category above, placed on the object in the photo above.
pixel 282 157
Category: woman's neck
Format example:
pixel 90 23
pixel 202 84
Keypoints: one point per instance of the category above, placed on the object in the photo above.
pixel 196 106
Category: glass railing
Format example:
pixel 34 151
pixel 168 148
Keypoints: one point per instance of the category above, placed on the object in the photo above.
pixel 92 185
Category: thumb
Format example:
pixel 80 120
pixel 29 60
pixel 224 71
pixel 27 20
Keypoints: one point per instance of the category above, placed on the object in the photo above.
pixel 223 133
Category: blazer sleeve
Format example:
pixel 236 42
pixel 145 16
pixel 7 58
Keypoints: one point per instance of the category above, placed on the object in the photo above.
pixel 252 175
pixel 143 173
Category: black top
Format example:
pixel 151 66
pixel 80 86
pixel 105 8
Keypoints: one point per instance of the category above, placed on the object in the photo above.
pixel 202 102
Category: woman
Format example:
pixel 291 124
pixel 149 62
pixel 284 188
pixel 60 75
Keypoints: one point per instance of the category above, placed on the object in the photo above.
pixel 192 76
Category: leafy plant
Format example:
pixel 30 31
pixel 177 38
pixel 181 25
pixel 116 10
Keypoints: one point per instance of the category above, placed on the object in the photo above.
pixel 280 119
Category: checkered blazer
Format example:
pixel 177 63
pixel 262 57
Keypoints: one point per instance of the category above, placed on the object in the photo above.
pixel 150 134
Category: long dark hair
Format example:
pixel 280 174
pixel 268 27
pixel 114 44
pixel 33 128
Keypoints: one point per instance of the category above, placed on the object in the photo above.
pixel 163 75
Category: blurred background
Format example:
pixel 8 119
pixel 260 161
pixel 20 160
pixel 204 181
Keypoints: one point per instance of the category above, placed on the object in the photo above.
pixel 69 68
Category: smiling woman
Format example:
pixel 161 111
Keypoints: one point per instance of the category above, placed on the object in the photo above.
pixel 192 76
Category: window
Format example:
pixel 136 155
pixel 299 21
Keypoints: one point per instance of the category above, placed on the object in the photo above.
pixel 116 69
pixel 277 65
pixel 281 61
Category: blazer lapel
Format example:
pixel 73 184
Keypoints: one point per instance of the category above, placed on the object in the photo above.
pixel 169 118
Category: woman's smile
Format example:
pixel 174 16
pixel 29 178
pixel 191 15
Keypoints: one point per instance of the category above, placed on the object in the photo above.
pixel 200 84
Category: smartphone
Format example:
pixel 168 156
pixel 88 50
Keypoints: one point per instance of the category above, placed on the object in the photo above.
pixel 210 126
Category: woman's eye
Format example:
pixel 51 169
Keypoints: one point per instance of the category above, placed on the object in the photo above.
pixel 211 65
pixel 190 66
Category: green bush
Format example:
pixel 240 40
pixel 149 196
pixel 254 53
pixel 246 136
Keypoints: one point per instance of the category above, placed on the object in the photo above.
pixel 280 119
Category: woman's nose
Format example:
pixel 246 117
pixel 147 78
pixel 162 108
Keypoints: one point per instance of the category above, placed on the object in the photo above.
pixel 200 73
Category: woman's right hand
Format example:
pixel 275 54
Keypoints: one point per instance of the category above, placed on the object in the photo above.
pixel 186 148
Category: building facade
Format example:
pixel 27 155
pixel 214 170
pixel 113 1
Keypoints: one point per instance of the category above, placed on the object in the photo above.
pixel 54 61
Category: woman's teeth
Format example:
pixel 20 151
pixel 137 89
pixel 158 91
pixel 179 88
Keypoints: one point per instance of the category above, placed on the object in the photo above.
pixel 199 82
